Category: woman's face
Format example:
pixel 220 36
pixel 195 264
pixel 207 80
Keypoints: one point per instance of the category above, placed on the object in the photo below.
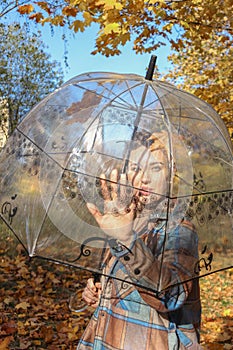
pixel 148 174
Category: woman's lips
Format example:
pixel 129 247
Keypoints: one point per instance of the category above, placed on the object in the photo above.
pixel 145 191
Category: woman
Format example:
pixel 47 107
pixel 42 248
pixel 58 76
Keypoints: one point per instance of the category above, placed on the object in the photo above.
pixel 133 316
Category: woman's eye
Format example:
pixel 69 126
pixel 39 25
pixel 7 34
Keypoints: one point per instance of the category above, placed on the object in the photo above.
pixel 135 168
pixel 156 168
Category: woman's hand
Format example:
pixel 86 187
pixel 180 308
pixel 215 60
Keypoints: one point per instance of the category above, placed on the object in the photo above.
pixel 118 216
pixel 91 293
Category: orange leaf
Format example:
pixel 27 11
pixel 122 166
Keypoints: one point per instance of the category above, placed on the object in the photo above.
pixel 69 11
pixel 78 25
pixel 37 16
pixel 25 9
pixel 44 6
pixel 4 344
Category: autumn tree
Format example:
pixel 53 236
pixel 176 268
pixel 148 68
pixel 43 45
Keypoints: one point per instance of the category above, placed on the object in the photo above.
pixel 199 32
pixel 26 73
pixel 150 22
pixel 207 72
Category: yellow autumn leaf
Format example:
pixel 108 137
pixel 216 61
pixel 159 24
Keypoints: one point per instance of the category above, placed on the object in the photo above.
pixel 24 305
pixel 78 25
pixel 118 6
pixel 112 27
pixel 87 16
pixel 155 2
pixel 168 27
pixel 8 300
pixel 226 312
pixel 125 37
pixel 76 328
pixel 185 24
pixel 37 342
pixel 74 2
pixel 4 343
pixel 100 3
pixel 109 4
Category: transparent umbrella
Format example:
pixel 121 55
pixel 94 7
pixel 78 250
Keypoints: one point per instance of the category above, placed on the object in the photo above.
pixel 64 152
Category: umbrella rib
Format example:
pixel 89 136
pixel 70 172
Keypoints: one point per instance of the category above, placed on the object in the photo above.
pixel 46 214
pixel 12 230
pixel 111 99
pixel 40 149
pixel 131 94
pixel 157 292
pixel 125 104
pixel 128 89
pixel 198 277
pixel 165 232
pixel 169 194
pixel 176 93
pixel 113 182
pixel 98 272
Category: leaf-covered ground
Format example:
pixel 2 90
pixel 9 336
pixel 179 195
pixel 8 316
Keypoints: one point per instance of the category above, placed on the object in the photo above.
pixel 34 298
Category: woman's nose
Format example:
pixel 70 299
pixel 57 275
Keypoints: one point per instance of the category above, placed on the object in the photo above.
pixel 145 177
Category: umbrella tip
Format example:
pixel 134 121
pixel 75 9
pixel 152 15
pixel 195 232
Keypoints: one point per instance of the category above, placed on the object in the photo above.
pixel 151 68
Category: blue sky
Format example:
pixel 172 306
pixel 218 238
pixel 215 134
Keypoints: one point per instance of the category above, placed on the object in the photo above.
pixel 79 49
pixel 81 61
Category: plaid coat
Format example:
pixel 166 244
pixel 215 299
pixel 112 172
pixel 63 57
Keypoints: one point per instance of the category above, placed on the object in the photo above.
pixel 133 318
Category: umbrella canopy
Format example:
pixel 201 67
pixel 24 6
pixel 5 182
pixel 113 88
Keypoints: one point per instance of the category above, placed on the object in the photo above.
pixel 53 163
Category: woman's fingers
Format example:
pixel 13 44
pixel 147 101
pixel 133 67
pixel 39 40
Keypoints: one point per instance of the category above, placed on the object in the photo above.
pixel 120 202
pixel 98 287
pixel 91 292
pixel 115 189
pixel 93 287
pixel 126 190
pixel 104 187
pixel 89 298
pixel 114 184
pixel 90 284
